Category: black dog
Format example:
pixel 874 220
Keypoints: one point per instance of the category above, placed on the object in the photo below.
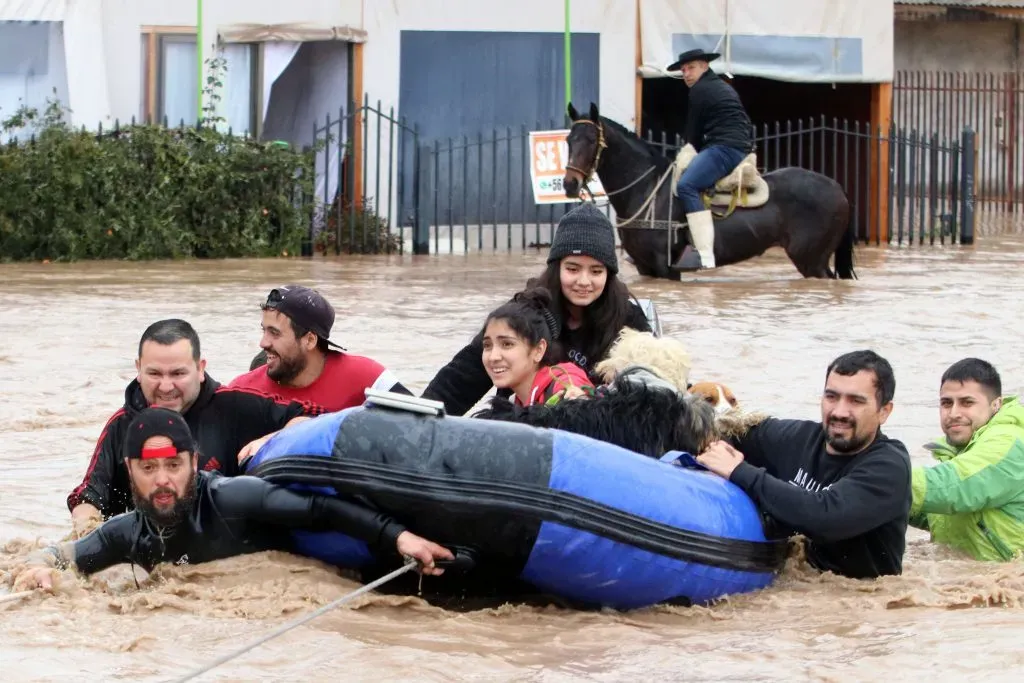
pixel 639 412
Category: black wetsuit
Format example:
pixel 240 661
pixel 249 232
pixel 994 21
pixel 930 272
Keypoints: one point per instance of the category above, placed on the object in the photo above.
pixel 464 381
pixel 231 516
pixel 222 420
pixel 852 508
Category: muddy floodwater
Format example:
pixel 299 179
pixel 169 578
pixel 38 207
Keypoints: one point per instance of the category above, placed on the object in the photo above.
pixel 67 350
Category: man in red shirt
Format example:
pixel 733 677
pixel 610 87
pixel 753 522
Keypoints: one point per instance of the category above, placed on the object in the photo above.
pixel 303 363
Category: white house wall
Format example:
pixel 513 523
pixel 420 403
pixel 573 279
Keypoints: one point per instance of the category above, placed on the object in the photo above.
pixel 122 20
pixel 615 20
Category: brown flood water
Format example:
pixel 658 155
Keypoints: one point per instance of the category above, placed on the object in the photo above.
pixel 68 348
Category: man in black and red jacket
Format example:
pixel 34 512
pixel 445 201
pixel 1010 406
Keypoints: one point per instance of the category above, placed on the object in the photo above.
pixel 228 424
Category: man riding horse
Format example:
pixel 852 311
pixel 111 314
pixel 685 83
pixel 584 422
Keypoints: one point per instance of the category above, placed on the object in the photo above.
pixel 719 129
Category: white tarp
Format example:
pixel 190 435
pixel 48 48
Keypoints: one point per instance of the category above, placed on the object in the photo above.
pixel 33 10
pixel 295 33
pixel 53 49
pixel 309 89
pixel 812 41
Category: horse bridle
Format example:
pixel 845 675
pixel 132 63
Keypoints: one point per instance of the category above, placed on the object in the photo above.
pixel 601 145
pixel 587 175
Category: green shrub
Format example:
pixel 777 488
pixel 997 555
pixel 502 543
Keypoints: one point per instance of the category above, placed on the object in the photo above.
pixel 362 231
pixel 146 192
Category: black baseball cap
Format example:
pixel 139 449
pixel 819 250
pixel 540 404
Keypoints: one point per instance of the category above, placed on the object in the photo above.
pixel 306 307
pixel 158 422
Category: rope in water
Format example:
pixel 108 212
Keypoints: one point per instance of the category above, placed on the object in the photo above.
pixel 11 597
pixel 299 622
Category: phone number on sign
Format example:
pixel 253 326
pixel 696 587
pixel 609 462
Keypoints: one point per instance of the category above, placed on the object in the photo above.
pixel 550 185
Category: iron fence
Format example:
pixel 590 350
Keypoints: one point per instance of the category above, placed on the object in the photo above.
pixel 477 194
pixel 474 193
pixel 992 104
pixel 903 188
pixel 366 163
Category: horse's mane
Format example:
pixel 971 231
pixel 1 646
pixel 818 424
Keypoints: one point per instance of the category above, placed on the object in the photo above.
pixel 638 144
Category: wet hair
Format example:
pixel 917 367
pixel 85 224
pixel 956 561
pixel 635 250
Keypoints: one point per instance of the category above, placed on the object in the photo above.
pixel 171 331
pixel 602 320
pixel 300 332
pixel 975 370
pixel 529 315
pixel 851 363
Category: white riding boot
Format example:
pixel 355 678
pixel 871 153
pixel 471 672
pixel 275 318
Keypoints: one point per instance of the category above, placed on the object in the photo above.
pixel 702 232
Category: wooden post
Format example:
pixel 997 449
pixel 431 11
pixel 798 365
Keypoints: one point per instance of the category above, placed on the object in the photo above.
pixel 152 79
pixel 1011 127
pixel 356 157
pixel 639 94
pixel 881 120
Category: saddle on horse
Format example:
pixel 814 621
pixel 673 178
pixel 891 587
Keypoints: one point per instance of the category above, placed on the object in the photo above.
pixel 743 187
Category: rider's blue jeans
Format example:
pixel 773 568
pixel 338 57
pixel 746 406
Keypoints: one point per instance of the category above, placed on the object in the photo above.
pixel 706 169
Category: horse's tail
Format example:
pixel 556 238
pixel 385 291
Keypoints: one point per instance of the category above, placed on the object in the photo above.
pixel 844 256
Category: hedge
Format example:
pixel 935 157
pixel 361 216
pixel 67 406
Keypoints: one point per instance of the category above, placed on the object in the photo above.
pixel 147 191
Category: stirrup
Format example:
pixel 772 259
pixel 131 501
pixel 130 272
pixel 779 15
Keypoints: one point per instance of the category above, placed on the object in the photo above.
pixel 689 261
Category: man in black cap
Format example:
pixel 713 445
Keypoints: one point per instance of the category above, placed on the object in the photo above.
pixel 185 516
pixel 719 129
pixel 302 363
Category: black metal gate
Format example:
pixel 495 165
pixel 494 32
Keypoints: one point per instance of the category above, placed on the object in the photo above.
pixel 362 203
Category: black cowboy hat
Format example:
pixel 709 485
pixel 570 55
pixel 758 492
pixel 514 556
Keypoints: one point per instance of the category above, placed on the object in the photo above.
pixel 692 56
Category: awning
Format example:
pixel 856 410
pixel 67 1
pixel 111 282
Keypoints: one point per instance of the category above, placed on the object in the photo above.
pixel 292 33
pixel 32 10
pixel 808 41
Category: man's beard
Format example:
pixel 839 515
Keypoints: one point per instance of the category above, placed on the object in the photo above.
pixel 842 444
pixel 287 369
pixel 176 514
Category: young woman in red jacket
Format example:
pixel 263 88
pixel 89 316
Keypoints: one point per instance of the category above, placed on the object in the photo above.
pixel 520 348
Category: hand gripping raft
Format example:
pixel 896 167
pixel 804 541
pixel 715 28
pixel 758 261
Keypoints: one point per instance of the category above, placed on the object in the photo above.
pixel 575 517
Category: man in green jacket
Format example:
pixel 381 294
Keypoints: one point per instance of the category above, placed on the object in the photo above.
pixel 973 500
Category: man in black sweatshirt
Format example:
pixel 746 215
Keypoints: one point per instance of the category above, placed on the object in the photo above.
pixel 840 482
pixel 720 131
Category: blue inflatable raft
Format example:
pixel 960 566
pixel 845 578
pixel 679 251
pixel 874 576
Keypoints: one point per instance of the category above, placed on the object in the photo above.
pixel 569 515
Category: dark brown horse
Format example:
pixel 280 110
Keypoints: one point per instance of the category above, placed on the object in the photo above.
pixel 807 213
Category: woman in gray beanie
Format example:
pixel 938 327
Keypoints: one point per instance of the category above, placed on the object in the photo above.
pixel 589 302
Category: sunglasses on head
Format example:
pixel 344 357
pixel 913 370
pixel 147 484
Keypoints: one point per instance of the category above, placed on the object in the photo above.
pixel 275 297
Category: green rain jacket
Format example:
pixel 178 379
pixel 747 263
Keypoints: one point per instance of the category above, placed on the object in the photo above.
pixel 973 499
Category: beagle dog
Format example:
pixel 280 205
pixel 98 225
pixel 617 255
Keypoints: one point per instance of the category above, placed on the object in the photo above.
pixel 718 395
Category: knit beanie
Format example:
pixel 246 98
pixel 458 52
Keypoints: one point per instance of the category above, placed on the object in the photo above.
pixel 585 231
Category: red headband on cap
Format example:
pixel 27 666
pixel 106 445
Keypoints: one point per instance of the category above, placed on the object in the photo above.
pixel 159 452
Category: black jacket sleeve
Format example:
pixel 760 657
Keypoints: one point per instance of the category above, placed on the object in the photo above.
pixel 693 131
pixel 751 444
pixel 109 544
pixel 261 501
pixel 869 495
pixel 101 485
pixel 257 414
pixel 463 381
pixel 636 318
pixel 271 413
